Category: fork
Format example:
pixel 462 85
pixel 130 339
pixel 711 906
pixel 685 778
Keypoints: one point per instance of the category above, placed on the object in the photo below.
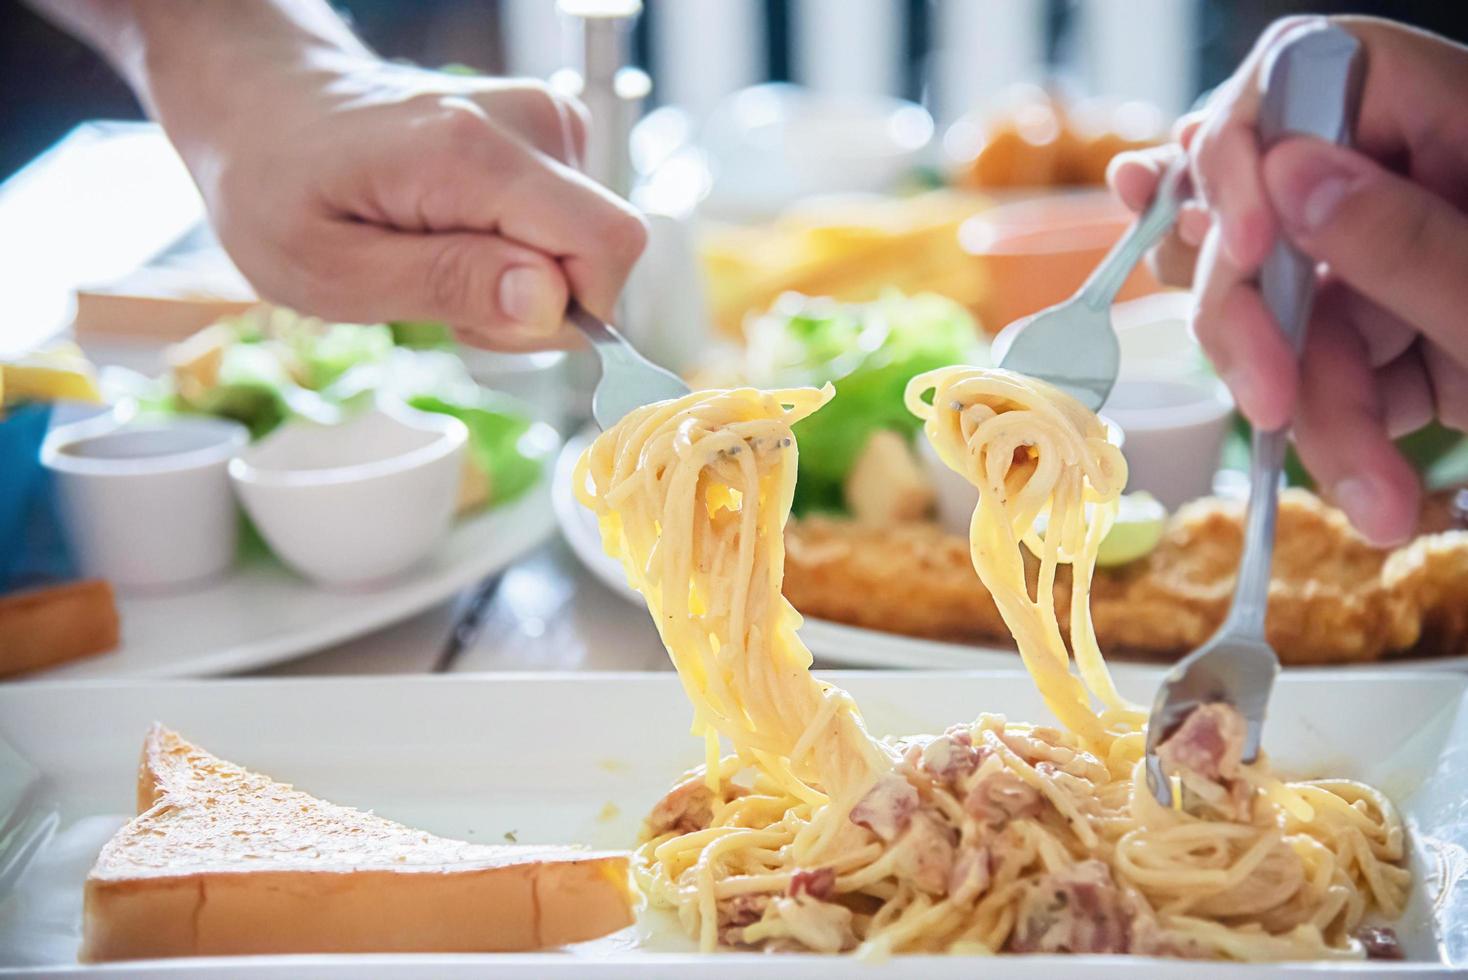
pixel 628 380
pixel 1071 345
pixel 1311 87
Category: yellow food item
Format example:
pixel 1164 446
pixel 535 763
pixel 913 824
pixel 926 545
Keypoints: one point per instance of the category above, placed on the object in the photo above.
pixel 475 487
pixel 59 373
pixel 194 363
pixel 853 251
pixel 1040 141
pixel 996 835
pixel 222 860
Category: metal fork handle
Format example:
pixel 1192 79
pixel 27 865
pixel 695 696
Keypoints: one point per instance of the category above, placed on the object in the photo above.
pixel 610 346
pixel 1251 590
pixel 595 329
pixel 1106 280
pixel 1312 87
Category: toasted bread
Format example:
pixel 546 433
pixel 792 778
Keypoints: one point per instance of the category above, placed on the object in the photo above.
pixel 222 860
pixel 45 627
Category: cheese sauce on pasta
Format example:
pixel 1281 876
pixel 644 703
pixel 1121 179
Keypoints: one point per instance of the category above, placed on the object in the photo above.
pixel 995 835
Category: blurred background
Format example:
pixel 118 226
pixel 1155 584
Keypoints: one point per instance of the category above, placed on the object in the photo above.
pixel 789 142
pixel 947 54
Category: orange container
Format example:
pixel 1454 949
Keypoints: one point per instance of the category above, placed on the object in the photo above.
pixel 1036 252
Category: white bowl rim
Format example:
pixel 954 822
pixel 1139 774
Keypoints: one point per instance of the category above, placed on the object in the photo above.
pixel 231 438
pixel 450 432
pixel 1212 403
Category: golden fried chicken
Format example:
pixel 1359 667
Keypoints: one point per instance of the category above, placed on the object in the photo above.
pixel 1334 598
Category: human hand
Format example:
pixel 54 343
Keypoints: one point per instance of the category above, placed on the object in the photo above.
pixel 360 190
pixel 1387 348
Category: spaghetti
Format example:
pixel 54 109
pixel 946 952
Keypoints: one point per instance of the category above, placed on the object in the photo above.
pixel 996 835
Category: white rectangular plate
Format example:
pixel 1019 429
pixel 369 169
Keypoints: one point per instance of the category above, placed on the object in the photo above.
pixel 582 758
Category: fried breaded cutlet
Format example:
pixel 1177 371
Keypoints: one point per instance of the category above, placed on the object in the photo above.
pixel 1333 599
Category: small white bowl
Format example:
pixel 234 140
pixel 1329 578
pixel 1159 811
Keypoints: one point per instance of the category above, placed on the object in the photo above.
pixel 357 503
pixel 148 506
pixel 1155 339
pixel 1175 430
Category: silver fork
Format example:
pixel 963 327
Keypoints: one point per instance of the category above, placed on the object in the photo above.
pixel 1311 87
pixel 1071 345
pixel 628 380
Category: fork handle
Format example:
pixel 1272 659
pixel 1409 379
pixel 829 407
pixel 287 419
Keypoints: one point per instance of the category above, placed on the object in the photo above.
pixel 1111 273
pixel 1312 87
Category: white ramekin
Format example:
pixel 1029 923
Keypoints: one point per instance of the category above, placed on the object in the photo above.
pixel 147 505
pixel 354 504
pixel 1175 429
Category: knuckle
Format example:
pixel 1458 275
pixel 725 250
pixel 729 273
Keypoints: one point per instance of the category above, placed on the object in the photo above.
pixel 1173 261
pixel 538 96
pixel 578 117
pixel 458 282
pixel 625 235
pixel 296 271
pixel 1186 126
pixel 1210 146
pixel 460 124
pixel 561 118
pixel 540 105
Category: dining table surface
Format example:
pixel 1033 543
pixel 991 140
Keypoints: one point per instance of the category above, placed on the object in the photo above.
pixel 111 196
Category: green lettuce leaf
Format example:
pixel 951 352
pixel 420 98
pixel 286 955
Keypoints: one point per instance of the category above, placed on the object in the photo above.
pixel 496 436
pixel 420 334
pixel 281 366
pixel 869 351
pixel 327 353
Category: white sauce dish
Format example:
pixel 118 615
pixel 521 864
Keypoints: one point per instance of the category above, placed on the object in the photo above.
pixel 148 506
pixel 1175 429
pixel 354 504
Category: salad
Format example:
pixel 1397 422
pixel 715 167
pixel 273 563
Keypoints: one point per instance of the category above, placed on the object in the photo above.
pixel 270 365
pixel 868 351
pixel 857 456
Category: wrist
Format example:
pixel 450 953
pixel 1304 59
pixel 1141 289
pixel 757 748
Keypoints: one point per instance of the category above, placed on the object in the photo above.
pixel 201 65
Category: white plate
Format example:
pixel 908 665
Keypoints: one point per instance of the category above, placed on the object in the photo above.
pixel 262 613
pixel 837 643
pixel 475 757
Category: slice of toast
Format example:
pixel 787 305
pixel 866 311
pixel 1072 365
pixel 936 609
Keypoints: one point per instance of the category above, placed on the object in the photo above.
pixel 45 627
pixel 222 860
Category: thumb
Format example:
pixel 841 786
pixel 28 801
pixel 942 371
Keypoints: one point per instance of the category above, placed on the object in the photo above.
pixel 1386 237
pixel 494 292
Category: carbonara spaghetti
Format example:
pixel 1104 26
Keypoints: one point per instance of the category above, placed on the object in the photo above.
pixel 995 835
